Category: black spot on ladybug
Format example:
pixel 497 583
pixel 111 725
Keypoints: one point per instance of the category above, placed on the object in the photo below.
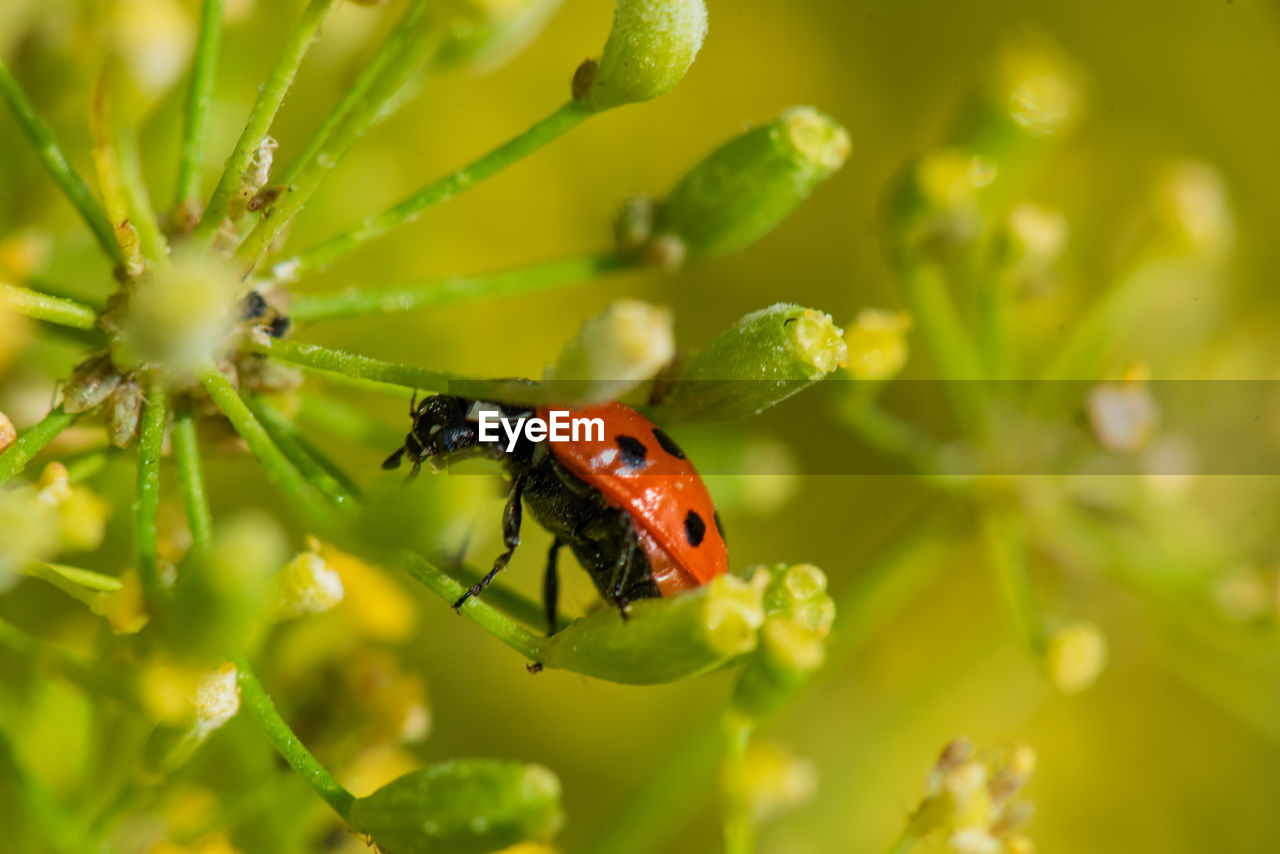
pixel 719 524
pixel 279 326
pixel 694 528
pixel 633 451
pixel 668 444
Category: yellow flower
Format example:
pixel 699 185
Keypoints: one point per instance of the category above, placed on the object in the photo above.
pixel 125 609
pixel 877 343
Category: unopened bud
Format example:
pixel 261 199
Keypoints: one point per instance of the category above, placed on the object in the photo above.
pixel 649 50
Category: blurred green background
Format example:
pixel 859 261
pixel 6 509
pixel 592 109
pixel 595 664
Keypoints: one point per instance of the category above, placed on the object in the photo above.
pixel 1177 747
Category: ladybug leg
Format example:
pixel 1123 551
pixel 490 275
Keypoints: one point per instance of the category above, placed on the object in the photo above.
pixel 510 538
pixel 393 461
pixel 622 569
pixel 551 585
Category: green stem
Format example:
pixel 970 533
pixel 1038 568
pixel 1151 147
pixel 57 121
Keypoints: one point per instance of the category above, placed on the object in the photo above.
pixel 477 609
pixel 59 827
pixel 186 453
pixel 401 53
pixel 506 283
pixel 16 457
pixel 1006 540
pixel 949 345
pixel 355 366
pixel 64 312
pixel 155 415
pixel 80 584
pixel 270 97
pixel 552 127
pixel 55 160
pixel 303 497
pixel 739 830
pixel 141 214
pixel 195 116
pixel 268 719
pixel 903 843
pixel 320 473
pixel 346 422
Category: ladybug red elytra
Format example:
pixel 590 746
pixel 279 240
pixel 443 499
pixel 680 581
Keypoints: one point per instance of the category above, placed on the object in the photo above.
pixel 629 504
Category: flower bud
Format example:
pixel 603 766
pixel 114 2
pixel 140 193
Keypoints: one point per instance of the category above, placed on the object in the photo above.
pixel 1075 657
pixel 877 344
pixel 126 608
pixel 663 640
pixel 461 805
pixel 743 189
pixel 614 351
pixel 771 780
pixel 761 360
pixel 650 48
pixel 306 585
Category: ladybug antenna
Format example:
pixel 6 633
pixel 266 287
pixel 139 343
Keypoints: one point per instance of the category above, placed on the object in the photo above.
pixel 413 404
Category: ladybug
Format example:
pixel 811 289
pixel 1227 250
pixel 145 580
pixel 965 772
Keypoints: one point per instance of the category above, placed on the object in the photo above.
pixel 628 503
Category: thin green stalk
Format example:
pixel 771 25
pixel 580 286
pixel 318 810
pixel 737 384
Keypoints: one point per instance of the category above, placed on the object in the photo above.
pixel 506 283
pixel 477 609
pixel 87 465
pixel 948 342
pixel 303 496
pixel 995 325
pixel 903 843
pixel 55 160
pixel 346 422
pixel 1006 540
pixel 60 827
pixel 739 829
pixel 355 366
pixel 403 51
pixel 564 119
pixel 268 719
pixel 106 164
pixel 270 97
pixel 320 473
pixel 16 457
pixel 80 584
pixel 64 312
pixel 186 453
pixel 195 115
pixel 155 416
pixel 889 434
pixel 143 217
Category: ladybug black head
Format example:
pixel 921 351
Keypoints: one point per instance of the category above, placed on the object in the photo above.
pixel 440 430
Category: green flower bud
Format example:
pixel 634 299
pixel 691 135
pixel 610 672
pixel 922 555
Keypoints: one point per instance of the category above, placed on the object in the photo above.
pixel 743 189
pixel 483 34
pixel 800 614
pixel 663 640
pixel 762 359
pixel 614 351
pixel 468 805
pixel 650 48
